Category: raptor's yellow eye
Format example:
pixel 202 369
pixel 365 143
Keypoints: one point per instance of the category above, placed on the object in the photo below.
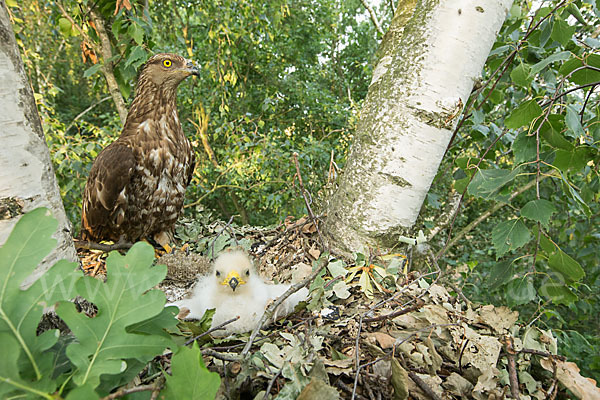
pixel 167 63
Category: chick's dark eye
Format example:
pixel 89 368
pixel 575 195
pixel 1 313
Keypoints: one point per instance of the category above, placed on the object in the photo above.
pixel 247 272
pixel 218 273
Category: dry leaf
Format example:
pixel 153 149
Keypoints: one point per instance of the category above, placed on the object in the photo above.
pixel 122 4
pixel 309 228
pixel 384 340
pixel 314 252
pixel 568 374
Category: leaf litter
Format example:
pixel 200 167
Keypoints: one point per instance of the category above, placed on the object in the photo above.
pixel 374 327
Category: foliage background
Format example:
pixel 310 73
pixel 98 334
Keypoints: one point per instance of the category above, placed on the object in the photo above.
pixel 283 76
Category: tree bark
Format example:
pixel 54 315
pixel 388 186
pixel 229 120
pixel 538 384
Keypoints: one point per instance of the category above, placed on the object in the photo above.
pixel 429 60
pixel 27 178
pixel 107 67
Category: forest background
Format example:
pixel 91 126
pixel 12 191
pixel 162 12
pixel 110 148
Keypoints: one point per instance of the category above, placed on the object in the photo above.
pixel 289 76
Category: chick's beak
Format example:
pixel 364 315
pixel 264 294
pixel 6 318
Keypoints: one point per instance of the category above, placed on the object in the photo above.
pixel 192 67
pixel 233 279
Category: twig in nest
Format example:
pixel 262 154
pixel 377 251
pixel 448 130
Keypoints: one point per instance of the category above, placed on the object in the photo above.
pixel 273 306
pixel 89 245
pixel 126 391
pixel 543 354
pixel 212 244
pixel 310 212
pixel 159 385
pixel 420 303
pixel 220 356
pixel 286 231
pixel 512 367
pixel 216 328
pixel 348 389
pixel 423 386
pixel 390 352
pixel 271 383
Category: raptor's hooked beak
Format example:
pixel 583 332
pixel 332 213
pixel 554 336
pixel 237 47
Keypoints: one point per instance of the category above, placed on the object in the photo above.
pixel 192 67
pixel 233 279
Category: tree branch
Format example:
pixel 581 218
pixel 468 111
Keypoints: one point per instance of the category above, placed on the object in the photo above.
pixel 485 215
pixel 373 16
pixel 108 67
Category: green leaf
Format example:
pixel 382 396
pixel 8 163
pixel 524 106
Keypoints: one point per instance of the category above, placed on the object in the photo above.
pixel 509 235
pixel 337 268
pixel 137 57
pixel 190 379
pixel 521 75
pixel 500 274
pixel 573 123
pixel 583 76
pixel 562 32
pixel 551 132
pixel 519 291
pixel 581 204
pixel 488 182
pixel 575 159
pixel 26 361
pixel 547 245
pixel 64 26
pixel 136 32
pixel 563 55
pixel 123 300
pixel 539 210
pixel 574 11
pixel 562 263
pixel 524 148
pixel 558 292
pixel 523 115
pixel 92 70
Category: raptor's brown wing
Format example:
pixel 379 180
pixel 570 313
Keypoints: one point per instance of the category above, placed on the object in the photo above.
pixel 106 194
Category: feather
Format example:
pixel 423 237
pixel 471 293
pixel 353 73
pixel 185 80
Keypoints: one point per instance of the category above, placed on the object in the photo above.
pixel 233 288
pixel 137 184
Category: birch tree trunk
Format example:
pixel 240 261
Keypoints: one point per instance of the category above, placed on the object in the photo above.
pixel 27 178
pixel 429 60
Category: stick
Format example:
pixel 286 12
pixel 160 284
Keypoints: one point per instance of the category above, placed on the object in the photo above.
pixel 310 212
pixel 512 367
pixel 420 303
pixel 271 308
pixel 216 328
pixel 124 392
pixel 422 385
pixel 271 383
pixel 212 244
pixel 220 356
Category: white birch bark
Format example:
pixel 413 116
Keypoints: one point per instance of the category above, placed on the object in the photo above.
pixel 27 178
pixel 429 60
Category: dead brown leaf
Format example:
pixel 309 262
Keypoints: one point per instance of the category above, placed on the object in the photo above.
pixel 122 4
pixel 568 374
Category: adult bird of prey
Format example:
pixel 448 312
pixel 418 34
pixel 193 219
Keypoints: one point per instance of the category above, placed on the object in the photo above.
pixel 233 288
pixel 137 184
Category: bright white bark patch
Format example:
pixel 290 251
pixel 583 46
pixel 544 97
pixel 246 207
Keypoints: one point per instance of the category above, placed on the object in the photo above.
pixel 26 174
pixel 426 72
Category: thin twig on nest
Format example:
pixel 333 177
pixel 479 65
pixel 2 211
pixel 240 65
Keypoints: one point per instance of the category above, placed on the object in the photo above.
pixel 125 391
pixel 273 306
pixel 308 208
pixel 216 328
pixel 512 367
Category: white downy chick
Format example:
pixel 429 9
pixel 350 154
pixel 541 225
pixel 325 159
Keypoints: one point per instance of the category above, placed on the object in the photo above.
pixel 233 288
